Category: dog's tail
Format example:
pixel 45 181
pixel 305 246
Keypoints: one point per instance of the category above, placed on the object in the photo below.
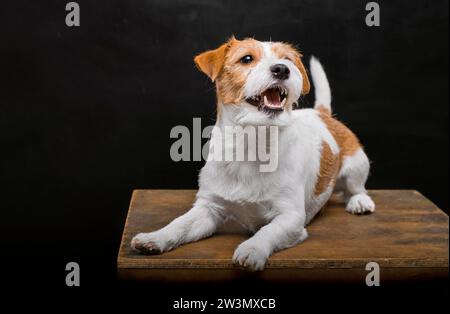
pixel 321 86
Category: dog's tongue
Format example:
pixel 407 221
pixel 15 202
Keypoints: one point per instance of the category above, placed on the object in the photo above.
pixel 273 97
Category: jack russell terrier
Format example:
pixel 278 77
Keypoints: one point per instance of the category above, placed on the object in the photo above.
pixel 257 84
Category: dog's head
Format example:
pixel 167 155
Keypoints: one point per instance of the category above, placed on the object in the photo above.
pixel 263 79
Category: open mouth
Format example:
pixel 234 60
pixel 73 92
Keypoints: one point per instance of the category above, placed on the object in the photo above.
pixel 272 99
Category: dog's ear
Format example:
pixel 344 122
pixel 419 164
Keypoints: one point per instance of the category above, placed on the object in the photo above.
pixel 211 62
pixel 299 64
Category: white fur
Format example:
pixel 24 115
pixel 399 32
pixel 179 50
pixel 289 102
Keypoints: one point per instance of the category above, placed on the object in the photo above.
pixel 353 175
pixel 322 91
pixel 277 205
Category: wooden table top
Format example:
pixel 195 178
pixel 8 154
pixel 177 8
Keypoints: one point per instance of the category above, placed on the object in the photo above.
pixel 407 236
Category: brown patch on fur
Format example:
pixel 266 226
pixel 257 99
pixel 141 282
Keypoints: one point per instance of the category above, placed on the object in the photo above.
pixel 211 62
pixel 331 164
pixel 329 167
pixel 223 66
pixel 230 84
pixel 347 141
pixel 322 109
pixel 284 50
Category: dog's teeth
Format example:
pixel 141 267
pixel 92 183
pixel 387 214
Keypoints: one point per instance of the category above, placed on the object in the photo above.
pixel 283 102
pixel 266 102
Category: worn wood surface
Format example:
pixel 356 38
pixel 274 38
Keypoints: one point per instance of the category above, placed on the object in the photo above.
pixel 407 236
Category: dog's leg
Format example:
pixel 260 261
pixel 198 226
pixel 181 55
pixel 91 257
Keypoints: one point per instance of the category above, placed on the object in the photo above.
pixel 199 222
pixel 285 230
pixel 352 177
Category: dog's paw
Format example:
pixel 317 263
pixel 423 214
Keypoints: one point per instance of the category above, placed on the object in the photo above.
pixel 360 204
pixel 250 256
pixel 147 243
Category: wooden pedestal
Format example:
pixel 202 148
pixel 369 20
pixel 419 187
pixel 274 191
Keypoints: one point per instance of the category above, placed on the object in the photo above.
pixel 407 236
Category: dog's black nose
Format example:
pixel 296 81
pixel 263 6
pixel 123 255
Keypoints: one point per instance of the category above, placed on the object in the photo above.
pixel 280 71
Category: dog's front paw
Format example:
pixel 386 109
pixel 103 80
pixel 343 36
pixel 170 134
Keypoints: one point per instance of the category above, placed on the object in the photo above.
pixel 148 243
pixel 360 204
pixel 250 255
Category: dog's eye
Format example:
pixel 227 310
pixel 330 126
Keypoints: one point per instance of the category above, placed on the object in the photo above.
pixel 246 59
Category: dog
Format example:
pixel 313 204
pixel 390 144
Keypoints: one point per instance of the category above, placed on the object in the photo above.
pixel 258 84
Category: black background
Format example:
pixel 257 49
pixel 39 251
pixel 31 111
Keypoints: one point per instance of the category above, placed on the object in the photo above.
pixel 86 111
